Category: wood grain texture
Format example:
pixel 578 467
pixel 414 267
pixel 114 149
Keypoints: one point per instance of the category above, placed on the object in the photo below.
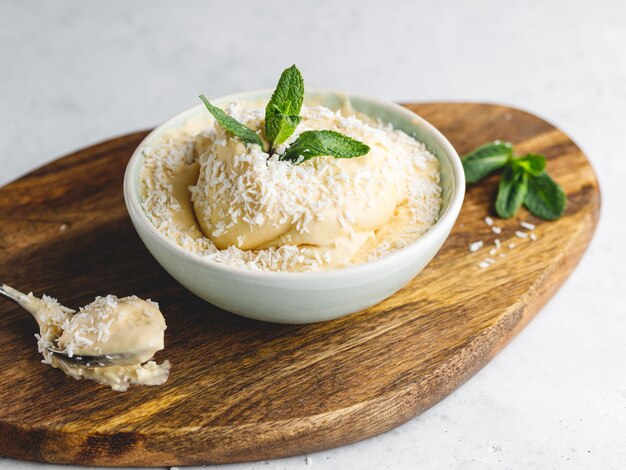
pixel 245 390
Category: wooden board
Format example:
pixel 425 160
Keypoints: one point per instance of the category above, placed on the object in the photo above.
pixel 245 390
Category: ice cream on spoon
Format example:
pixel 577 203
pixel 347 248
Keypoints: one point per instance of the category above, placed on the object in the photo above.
pixel 110 341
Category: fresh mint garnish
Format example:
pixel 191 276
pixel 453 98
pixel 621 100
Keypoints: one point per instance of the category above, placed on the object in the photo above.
pixel 311 144
pixel 486 159
pixel 282 113
pixel 523 181
pixel 282 116
pixel 232 125
pixel 545 198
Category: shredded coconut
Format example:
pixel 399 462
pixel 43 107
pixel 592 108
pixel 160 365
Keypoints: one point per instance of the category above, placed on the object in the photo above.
pixel 476 246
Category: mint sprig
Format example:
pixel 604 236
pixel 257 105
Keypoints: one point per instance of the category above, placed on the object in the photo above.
pixel 282 116
pixel 311 144
pixel 524 181
pixel 282 113
pixel 232 125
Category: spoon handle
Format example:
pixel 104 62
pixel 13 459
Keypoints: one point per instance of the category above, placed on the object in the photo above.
pixel 27 303
pixel 13 294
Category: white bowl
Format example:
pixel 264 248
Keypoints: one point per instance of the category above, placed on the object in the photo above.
pixel 304 297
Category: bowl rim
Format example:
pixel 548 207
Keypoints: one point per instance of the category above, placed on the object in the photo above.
pixel 439 230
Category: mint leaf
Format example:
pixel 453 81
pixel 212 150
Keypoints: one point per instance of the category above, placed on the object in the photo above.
pixel 232 125
pixel 545 198
pixel 486 159
pixel 280 128
pixel 283 109
pixel 311 144
pixel 511 191
pixel 532 163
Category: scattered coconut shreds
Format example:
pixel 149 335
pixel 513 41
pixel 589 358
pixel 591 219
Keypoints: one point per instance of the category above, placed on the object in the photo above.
pixel 473 247
pixel 493 252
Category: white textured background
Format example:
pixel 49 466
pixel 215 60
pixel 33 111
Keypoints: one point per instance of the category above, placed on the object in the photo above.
pixel 73 73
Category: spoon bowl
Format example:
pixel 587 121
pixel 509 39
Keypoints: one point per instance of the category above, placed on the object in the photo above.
pixel 105 360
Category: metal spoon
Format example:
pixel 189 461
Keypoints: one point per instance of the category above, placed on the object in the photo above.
pixel 105 360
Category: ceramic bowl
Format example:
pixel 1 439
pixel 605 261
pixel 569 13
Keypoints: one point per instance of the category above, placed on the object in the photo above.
pixel 304 297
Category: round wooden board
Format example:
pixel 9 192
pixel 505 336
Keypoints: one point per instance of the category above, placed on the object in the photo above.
pixel 245 390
